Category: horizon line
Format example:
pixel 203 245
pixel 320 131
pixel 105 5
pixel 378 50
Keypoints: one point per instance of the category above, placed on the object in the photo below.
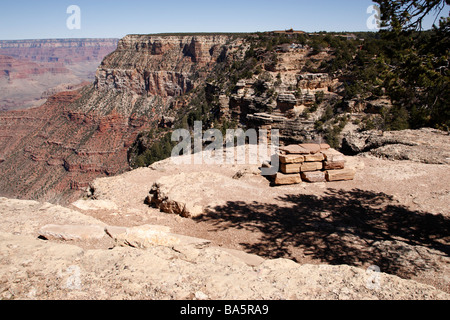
pixel 182 33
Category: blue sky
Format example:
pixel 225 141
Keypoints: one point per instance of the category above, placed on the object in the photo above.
pixel 31 19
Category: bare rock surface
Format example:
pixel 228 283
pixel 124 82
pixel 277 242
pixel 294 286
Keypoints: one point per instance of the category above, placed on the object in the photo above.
pixel 27 217
pixel 147 236
pixel 189 194
pixel 254 241
pixel 322 223
pixel 34 269
pixel 95 205
pixel 71 232
pixel 425 145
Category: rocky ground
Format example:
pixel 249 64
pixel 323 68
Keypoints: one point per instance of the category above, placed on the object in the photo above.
pixel 247 240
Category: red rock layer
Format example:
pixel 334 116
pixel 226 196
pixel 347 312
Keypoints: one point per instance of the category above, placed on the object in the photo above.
pixel 53 152
pixel 13 69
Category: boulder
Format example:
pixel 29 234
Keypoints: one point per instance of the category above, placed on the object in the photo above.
pixel 191 194
pixel 424 145
pixel 169 202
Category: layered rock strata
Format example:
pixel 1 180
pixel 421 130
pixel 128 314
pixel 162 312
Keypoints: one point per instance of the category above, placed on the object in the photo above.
pixel 53 152
pixel 31 70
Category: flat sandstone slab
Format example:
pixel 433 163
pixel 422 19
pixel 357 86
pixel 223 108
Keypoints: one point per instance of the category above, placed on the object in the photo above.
pixel 333 155
pixel 313 177
pixel 148 236
pixel 333 165
pixel 291 168
pixel 294 149
pixel 340 175
pixel 315 157
pixel 311 147
pixel 287 179
pixel 311 166
pixel 292 158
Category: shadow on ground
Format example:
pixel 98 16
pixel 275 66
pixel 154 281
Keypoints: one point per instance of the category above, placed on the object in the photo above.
pixel 337 228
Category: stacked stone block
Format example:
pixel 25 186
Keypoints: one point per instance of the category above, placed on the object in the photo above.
pixel 311 163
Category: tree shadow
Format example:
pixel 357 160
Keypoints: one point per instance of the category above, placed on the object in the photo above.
pixel 337 228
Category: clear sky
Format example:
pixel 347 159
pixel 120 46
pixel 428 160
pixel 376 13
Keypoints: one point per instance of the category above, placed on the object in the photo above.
pixel 44 19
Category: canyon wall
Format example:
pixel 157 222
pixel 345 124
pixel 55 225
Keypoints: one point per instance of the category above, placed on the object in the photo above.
pixel 66 51
pixel 52 152
pixel 165 66
pixel 30 69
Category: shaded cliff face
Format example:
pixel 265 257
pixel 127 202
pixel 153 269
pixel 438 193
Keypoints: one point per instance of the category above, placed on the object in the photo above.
pixel 31 70
pixel 53 152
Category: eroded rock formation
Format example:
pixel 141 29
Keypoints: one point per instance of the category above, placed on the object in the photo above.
pixel 54 151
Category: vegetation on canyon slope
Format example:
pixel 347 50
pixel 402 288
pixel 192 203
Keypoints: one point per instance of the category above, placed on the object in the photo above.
pixel 401 63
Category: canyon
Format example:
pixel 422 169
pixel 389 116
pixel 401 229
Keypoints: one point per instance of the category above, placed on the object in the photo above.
pixel 76 207
pixel 52 152
pixel 32 70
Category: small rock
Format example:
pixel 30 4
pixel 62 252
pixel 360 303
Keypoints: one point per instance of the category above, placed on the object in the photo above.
pixel 201 296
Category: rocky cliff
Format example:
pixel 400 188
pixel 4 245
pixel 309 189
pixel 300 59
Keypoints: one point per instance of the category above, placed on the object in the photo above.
pixel 164 66
pixel 250 81
pixel 54 151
